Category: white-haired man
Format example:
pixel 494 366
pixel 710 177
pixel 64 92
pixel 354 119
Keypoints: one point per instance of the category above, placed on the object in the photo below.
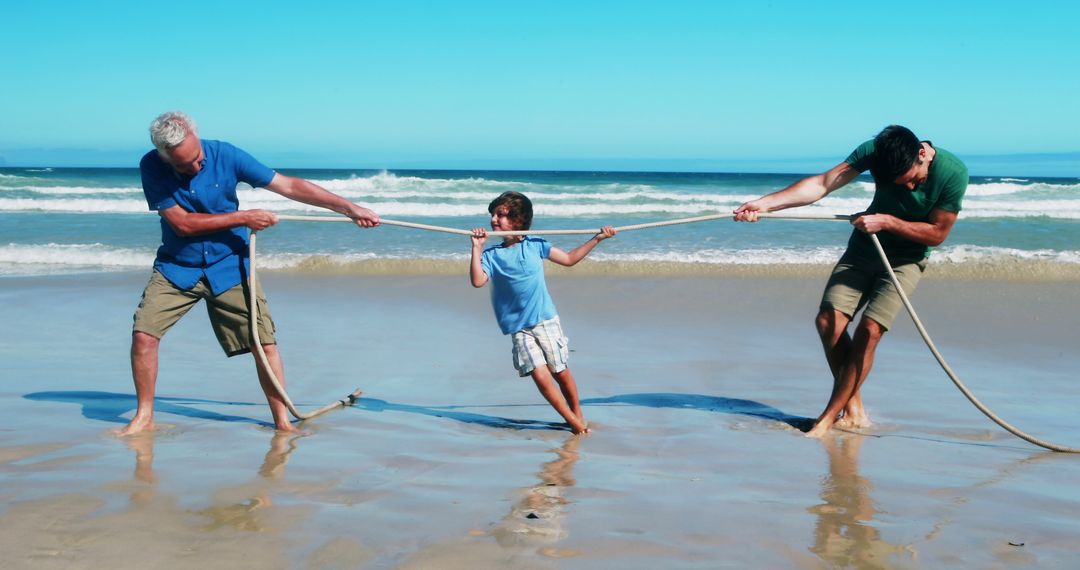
pixel 191 183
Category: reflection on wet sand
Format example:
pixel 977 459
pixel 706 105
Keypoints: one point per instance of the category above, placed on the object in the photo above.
pixel 145 479
pixel 81 526
pixel 535 523
pixel 246 515
pixel 844 536
pixel 282 445
pixel 242 515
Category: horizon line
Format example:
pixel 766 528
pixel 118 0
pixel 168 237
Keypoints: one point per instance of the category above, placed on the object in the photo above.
pixel 1042 164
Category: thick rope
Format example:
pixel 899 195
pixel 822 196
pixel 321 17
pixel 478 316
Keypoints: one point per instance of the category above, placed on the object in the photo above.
pixel 253 308
pixel 566 232
pixel 948 369
pixel 836 217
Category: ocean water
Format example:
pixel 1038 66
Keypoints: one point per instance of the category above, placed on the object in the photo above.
pixel 70 220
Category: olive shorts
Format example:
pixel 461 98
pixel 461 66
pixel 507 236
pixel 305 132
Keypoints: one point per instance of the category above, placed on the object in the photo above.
pixel 855 284
pixel 163 304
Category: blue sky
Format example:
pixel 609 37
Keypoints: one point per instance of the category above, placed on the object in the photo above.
pixel 778 86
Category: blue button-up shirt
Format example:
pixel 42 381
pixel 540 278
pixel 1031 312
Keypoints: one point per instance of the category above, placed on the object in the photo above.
pixel 220 257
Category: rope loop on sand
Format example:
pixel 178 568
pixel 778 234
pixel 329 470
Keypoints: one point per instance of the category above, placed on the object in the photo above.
pixel 253 309
pixel 351 398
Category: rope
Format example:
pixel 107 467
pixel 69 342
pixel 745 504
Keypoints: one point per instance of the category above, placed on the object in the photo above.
pixel 351 398
pixel 566 232
pixel 948 369
pixel 253 308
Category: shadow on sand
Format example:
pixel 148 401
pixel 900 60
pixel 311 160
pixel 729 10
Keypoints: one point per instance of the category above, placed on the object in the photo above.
pixel 702 402
pixel 453 413
pixel 699 402
pixel 111 407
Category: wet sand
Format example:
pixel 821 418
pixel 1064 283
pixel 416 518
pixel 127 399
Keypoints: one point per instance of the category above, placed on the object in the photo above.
pixel 693 384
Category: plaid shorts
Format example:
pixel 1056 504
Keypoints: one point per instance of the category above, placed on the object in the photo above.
pixel 543 344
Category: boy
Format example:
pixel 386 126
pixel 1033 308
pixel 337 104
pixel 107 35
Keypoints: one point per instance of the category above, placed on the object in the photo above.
pixel 523 307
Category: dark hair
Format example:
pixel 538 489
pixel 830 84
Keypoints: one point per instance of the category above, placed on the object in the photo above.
pixel 518 208
pixel 895 151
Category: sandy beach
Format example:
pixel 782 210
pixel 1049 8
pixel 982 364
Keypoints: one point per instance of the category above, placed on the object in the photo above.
pixel 692 383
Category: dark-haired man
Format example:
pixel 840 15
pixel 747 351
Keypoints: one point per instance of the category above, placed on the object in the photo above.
pixel 918 193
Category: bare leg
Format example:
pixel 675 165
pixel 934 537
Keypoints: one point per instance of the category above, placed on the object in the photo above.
pixel 144 370
pixel 832 329
pixel 546 385
pixel 854 412
pixel 278 409
pixel 568 387
pixel 859 362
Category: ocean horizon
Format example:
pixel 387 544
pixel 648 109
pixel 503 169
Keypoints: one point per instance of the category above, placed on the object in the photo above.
pixel 1062 164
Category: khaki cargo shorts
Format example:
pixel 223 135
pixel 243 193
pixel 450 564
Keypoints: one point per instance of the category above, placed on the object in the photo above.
pixel 855 284
pixel 163 304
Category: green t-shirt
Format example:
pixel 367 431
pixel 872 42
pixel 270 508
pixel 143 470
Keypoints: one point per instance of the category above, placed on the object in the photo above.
pixel 944 188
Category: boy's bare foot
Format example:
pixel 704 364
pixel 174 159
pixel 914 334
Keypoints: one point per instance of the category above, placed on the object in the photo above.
pixel 136 425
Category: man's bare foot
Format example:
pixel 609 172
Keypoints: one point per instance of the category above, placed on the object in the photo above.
pixel 854 416
pixel 137 425
pixel 580 428
pixel 854 422
pixel 286 427
pixel 820 429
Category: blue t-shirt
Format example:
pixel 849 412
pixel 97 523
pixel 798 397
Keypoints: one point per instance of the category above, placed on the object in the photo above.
pixel 221 257
pixel 519 293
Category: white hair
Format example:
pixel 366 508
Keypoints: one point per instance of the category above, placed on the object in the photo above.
pixel 170 129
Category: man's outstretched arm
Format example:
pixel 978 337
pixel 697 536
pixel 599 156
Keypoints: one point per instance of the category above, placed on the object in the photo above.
pixel 308 192
pixel 806 191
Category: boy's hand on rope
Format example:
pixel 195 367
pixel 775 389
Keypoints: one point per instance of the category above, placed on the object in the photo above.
pixel 606 232
pixel 478 237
